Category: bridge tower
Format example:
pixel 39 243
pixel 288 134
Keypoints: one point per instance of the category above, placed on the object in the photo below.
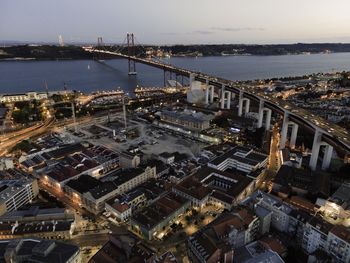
pixel 97 55
pixel 99 42
pixel 131 53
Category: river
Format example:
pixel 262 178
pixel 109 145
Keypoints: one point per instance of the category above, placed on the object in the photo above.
pixel 88 75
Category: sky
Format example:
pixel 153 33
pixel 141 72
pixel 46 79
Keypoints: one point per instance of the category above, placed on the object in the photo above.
pixel 176 21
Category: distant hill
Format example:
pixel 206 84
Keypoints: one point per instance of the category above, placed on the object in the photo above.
pixel 45 52
pixel 281 49
pixel 76 52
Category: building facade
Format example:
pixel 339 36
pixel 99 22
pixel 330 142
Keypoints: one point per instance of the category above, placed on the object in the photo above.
pixel 15 193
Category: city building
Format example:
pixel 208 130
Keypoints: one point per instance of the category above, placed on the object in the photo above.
pixel 6 163
pixel 338 205
pixel 291 180
pixel 121 211
pixel 95 161
pixel 339 243
pixel 167 257
pixel 129 160
pixel 39 251
pixel 280 210
pixel 34 221
pixel 184 121
pixel 256 252
pixel 10 98
pixel 122 206
pixel 218 241
pixel 287 157
pixel 316 234
pixel 153 220
pixel 93 193
pixel 124 247
pixel 239 227
pixel 241 158
pixel 215 186
pixel 166 157
pixel 15 193
pixel 297 224
pixel 196 93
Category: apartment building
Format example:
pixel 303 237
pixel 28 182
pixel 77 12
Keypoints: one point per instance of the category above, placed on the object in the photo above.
pixel 15 193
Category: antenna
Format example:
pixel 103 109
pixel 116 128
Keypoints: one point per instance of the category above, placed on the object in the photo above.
pixel 125 100
pixel 46 88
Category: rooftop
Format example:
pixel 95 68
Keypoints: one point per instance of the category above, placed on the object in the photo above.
pixel 269 200
pixel 342 195
pixel 202 183
pixel 8 188
pixel 83 184
pixel 32 212
pixel 320 224
pixel 342 232
pixel 241 154
pixel 159 210
pixel 36 250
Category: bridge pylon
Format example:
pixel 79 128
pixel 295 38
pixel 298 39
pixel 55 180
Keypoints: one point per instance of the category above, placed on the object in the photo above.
pixel 97 55
pixel 131 53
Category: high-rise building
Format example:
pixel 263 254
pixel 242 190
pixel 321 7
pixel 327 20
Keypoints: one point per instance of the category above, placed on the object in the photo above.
pixel 60 41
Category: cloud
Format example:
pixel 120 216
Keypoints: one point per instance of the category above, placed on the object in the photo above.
pixel 196 32
pixel 171 33
pixel 237 29
pixel 202 32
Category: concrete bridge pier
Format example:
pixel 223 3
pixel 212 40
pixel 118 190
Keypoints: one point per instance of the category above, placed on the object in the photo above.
pixel 317 143
pixel 222 101
pixel 226 100
pixel 262 111
pixel 268 113
pixel 284 133
pixel 206 91
pixel 244 103
pixel 209 94
pixel 192 78
pixel 293 138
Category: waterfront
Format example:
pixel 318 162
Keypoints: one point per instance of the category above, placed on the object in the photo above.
pixel 88 75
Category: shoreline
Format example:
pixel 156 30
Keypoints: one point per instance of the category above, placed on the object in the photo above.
pixel 21 59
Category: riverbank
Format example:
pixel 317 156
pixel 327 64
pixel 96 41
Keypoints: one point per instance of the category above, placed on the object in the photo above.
pixel 71 52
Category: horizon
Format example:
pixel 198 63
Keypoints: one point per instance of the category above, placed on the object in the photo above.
pixel 53 43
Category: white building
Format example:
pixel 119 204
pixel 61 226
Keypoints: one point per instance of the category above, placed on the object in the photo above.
pixel 339 243
pixel 241 158
pixel 167 158
pixel 119 211
pixel 315 235
pixel 280 210
pixel 196 93
pixel 129 160
pixel 15 193
pixel 93 194
pixel 6 163
pixel 10 98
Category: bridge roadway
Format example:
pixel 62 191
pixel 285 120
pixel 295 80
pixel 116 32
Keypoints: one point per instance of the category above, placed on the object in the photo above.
pixel 332 133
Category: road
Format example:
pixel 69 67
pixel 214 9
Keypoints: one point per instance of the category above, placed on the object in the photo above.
pixel 12 140
pixel 274 162
pixel 90 239
pixel 59 194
